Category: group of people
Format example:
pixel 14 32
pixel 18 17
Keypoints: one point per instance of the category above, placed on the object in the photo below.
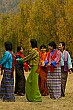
pixel 48 75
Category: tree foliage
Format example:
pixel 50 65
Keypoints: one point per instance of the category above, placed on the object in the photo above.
pixel 44 20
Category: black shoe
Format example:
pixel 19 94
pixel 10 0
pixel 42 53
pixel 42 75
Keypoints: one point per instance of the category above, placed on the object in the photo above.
pixel 62 95
pixel 7 100
pixel 15 92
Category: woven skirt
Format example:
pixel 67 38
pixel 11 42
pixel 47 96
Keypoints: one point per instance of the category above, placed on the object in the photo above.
pixel 7 86
pixel 54 83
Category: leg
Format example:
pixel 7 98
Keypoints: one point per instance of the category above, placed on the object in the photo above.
pixel 63 83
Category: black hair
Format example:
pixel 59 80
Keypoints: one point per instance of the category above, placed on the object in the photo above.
pixel 52 44
pixel 63 44
pixel 43 46
pixel 33 43
pixel 19 48
pixel 8 45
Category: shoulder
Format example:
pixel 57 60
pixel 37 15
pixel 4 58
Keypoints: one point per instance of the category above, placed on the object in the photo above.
pixel 34 51
pixel 40 53
pixel 58 52
pixel 48 54
pixel 7 53
pixel 66 52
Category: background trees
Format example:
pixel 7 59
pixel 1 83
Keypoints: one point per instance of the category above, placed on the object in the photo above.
pixel 45 20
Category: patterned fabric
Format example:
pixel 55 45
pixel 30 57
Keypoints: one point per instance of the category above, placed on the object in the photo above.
pixel 54 83
pixel 66 60
pixel 7 86
pixel 54 59
pixel 43 56
pixel 6 61
pixel 32 57
pixel 31 86
pixel 54 75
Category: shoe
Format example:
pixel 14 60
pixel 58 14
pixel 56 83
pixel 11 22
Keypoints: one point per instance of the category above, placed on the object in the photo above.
pixel 5 100
pixel 20 94
pixel 62 95
pixel 15 92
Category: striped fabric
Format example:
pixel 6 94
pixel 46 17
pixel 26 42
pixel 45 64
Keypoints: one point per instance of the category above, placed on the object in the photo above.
pixel 54 83
pixel 7 86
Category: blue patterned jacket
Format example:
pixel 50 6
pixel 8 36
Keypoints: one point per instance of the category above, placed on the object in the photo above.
pixel 6 60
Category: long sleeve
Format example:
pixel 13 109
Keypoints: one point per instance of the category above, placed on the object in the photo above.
pixel 31 55
pixel 57 59
pixel 4 59
pixel 69 61
pixel 33 58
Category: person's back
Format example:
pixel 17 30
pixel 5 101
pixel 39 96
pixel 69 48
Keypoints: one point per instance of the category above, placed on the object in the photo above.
pixel 31 88
pixel 6 61
pixel 7 83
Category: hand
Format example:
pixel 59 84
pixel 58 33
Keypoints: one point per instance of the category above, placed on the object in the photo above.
pixel 70 71
pixel 49 64
pixel 17 59
pixel 42 64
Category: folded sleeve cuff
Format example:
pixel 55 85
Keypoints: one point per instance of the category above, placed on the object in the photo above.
pixel 53 63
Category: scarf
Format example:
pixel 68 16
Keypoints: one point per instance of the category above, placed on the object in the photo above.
pixel 25 64
pixel 13 60
pixel 53 56
pixel 20 54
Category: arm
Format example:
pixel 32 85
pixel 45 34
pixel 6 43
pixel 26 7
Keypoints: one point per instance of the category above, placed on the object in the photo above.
pixel 32 54
pixel 69 62
pixel 57 59
pixel 4 59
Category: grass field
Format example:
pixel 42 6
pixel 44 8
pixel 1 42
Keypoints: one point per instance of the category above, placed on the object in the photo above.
pixel 21 103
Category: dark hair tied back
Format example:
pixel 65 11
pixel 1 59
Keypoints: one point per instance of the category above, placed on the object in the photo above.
pixel 33 43
pixel 52 44
pixel 8 45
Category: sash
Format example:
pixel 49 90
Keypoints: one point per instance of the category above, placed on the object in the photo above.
pixel 53 56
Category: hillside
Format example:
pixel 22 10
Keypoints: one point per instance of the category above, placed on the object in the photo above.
pixel 7 6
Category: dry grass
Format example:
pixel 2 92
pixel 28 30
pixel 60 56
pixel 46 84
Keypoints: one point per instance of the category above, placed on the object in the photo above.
pixel 46 104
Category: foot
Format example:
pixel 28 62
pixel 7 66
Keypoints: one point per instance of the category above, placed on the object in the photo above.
pixel 20 94
pixel 62 95
pixel 7 100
